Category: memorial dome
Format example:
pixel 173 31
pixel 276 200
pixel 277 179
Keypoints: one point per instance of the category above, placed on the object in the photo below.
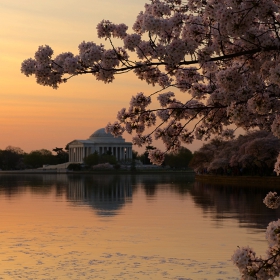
pixel 100 135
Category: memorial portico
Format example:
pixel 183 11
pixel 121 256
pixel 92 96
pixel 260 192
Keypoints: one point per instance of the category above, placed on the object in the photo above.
pixel 102 143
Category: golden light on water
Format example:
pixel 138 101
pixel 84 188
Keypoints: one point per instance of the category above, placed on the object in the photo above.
pixel 69 228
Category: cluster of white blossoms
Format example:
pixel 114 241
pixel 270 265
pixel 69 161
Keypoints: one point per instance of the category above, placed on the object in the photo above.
pixel 243 256
pixel 140 101
pixel 273 233
pixel 28 67
pixel 228 133
pixel 268 267
pixel 90 53
pixel 165 98
pixel 275 74
pixel 163 114
pixel 185 77
pixel 169 136
pixel 114 129
pixel 275 127
pixel 239 114
pixel 141 140
pixel 106 29
pixel 252 267
pixel 156 156
pixel 272 200
pixel 132 41
pixel 260 104
pixel 44 54
pixel 277 166
pixel 223 54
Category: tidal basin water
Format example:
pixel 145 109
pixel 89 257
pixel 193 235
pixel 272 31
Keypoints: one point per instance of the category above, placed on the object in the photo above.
pixel 158 226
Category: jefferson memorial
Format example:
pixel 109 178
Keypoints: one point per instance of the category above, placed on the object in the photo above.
pixel 100 142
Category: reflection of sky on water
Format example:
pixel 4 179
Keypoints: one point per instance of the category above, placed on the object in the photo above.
pixel 158 226
pixel 106 194
pixel 243 203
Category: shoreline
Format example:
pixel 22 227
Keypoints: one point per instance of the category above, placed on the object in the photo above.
pixel 268 181
pixel 122 172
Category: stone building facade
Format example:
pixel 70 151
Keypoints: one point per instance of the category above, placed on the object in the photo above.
pixel 101 142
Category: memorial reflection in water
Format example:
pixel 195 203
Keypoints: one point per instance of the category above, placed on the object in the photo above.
pixel 105 194
pixel 125 227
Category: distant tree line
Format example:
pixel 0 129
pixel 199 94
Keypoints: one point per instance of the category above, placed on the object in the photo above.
pixel 14 158
pixel 180 159
pixel 173 160
pixel 254 153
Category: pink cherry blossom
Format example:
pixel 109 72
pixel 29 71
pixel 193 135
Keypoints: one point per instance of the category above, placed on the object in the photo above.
pixel 156 156
pixel 213 51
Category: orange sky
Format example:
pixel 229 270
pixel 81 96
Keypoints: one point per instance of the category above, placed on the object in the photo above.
pixel 34 117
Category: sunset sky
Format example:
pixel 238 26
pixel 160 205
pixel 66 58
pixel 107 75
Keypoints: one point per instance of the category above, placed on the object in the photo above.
pixel 34 117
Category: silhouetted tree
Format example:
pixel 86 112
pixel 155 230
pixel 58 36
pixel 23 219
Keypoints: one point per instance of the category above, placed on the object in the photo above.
pixel 38 158
pixel 61 155
pixel 180 159
pixel 11 158
pixel 253 153
pixel 144 157
pixel 92 159
pixel 95 158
